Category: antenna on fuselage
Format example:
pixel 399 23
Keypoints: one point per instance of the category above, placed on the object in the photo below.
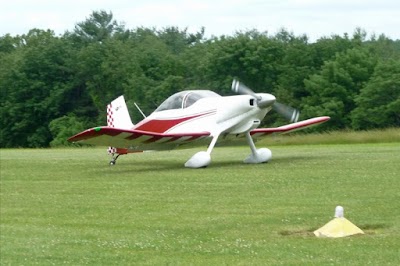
pixel 140 110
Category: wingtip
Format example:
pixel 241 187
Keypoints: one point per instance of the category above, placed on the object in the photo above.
pixel 79 136
pixel 325 118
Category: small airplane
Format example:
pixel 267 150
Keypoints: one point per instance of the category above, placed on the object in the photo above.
pixel 192 118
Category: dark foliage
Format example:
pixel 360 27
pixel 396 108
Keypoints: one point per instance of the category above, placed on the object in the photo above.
pixel 52 86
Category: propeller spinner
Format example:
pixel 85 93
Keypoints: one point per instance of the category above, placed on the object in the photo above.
pixel 286 111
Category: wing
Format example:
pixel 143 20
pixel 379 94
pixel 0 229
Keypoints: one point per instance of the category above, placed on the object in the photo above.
pixel 260 132
pixel 137 140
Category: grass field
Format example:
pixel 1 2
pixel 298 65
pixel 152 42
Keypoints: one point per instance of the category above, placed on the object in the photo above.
pixel 68 206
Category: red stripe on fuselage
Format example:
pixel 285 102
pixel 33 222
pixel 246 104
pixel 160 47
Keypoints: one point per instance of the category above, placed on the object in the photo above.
pixel 163 125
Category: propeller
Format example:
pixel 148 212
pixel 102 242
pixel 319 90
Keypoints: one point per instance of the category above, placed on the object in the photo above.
pixel 240 88
pixel 286 111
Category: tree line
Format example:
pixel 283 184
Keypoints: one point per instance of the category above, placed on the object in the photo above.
pixel 53 86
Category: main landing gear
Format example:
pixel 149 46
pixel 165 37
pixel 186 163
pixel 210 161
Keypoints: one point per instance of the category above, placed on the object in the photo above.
pixel 203 158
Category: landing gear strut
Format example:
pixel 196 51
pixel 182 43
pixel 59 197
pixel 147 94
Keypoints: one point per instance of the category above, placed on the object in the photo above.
pixel 202 158
pixel 262 155
pixel 114 158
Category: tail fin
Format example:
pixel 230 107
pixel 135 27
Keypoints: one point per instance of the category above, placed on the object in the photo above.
pixel 118 117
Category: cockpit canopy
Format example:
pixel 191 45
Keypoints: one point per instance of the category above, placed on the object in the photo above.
pixel 184 99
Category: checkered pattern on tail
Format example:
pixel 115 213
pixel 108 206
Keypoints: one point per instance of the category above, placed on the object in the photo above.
pixel 110 123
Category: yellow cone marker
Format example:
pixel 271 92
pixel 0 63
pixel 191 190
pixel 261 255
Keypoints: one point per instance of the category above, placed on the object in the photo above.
pixel 338 227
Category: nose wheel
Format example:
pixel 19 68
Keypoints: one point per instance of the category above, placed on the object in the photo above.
pixel 262 155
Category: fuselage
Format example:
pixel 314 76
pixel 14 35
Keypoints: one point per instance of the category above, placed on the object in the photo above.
pixel 230 114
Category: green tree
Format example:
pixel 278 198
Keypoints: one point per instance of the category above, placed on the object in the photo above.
pixel 64 127
pixel 35 89
pixel 252 57
pixel 9 44
pixel 378 104
pixel 158 67
pixel 98 27
pixel 103 69
pixel 179 40
pixel 332 92
pixel 326 48
pixel 384 48
pixel 296 65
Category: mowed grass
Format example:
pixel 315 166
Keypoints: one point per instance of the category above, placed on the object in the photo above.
pixel 68 206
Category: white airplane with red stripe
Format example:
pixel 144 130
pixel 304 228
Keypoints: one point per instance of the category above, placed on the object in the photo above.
pixel 195 118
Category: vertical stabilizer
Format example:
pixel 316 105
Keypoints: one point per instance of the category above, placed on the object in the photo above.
pixel 118 117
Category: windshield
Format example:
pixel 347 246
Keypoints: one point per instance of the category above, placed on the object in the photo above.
pixel 185 99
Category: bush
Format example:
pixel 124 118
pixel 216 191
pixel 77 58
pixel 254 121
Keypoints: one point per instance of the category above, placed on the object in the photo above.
pixel 64 127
